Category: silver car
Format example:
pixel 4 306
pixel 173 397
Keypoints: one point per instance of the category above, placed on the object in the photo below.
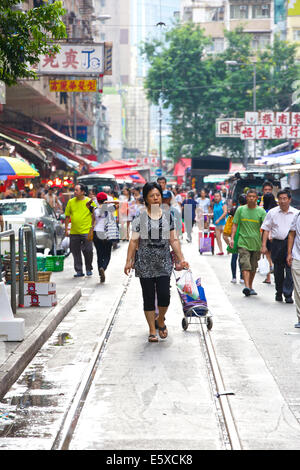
pixel 49 230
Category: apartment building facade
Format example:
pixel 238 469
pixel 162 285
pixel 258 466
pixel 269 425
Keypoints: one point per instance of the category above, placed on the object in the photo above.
pixel 215 16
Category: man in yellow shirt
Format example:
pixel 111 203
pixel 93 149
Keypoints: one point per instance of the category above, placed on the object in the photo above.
pixel 81 224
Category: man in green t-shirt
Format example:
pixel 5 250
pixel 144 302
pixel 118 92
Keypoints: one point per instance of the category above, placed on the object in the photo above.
pixel 81 224
pixel 249 219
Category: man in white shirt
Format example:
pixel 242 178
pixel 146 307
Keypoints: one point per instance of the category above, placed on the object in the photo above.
pixel 277 223
pixel 293 260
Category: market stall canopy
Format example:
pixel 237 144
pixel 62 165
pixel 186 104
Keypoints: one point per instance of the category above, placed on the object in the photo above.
pixel 13 168
pixel 283 158
pixel 215 178
pixel 62 136
pixel 126 172
pixel 113 165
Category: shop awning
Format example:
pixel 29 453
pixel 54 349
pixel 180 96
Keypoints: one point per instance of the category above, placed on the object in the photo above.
pixel 62 136
pixel 69 163
pixel 72 156
pixel 25 147
pixel 27 136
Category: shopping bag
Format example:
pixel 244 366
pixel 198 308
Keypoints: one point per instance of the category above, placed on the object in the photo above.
pixel 187 285
pixel 111 229
pixel 263 266
pixel 205 244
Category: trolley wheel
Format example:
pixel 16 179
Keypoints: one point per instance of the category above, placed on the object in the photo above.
pixel 184 323
pixel 209 323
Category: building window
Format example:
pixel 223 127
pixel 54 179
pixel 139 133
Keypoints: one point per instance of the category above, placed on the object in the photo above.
pixel 239 12
pixel 215 14
pixel 296 34
pixel 261 11
pixel 188 14
pixel 217 46
pixel 260 41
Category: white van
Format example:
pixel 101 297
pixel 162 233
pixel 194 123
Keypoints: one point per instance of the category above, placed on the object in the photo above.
pixel 99 183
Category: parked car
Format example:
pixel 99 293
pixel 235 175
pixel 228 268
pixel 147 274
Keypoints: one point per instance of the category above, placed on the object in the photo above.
pixel 49 230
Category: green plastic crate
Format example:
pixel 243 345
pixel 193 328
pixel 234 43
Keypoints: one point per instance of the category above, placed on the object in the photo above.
pixel 54 263
pixel 41 263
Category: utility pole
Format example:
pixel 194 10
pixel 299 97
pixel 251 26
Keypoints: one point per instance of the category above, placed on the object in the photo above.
pixel 254 101
pixel 160 137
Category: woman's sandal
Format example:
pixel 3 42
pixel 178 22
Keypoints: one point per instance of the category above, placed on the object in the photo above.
pixel 162 331
pixel 153 339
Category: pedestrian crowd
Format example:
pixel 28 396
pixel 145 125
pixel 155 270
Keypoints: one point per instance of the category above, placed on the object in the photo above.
pixel 261 233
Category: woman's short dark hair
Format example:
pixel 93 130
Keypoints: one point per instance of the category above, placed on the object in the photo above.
pixel 148 187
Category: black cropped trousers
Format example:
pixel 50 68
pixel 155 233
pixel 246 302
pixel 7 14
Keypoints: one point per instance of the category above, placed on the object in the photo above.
pixel 155 285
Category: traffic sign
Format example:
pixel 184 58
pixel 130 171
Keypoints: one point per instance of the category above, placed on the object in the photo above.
pixel 158 172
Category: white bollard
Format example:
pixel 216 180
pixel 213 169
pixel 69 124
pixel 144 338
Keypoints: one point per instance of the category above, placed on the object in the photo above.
pixel 11 328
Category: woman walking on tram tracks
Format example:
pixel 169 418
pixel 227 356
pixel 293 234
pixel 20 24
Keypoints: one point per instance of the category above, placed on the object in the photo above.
pixel 149 254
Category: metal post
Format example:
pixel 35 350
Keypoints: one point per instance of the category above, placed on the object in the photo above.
pixel 160 137
pixel 74 117
pixel 30 243
pixel 254 102
pixel 13 290
pixel 13 287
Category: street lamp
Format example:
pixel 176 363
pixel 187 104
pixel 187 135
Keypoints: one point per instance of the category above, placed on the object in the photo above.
pixel 234 63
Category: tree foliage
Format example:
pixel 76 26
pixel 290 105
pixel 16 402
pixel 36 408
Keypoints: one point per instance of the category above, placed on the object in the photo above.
pixel 25 35
pixel 198 87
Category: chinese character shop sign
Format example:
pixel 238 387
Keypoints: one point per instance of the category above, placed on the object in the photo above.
pixel 74 59
pixel 75 86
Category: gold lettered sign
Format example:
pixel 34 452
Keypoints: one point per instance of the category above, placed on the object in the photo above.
pixel 75 86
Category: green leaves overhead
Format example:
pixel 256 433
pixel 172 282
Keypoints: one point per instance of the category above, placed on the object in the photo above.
pixel 198 87
pixel 25 35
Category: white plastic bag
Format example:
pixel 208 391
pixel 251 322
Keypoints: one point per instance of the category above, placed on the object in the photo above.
pixel 187 285
pixel 263 266
pixel 65 244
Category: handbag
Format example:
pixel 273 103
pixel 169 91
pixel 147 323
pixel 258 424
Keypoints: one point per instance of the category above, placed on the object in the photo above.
pixel 228 226
pixel 234 250
pixel 111 229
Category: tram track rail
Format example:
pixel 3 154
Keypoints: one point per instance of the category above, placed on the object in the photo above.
pixel 230 433
pixel 228 429
pixel 70 420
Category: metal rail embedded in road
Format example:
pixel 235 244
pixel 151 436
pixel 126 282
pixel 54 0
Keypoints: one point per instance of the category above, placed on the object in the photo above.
pixel 71 417
pixel 228 428
pixel 227 422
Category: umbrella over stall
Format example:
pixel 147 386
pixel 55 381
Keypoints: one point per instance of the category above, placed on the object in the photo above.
pixel 13 168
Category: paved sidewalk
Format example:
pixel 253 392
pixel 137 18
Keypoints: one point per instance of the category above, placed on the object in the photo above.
pixel 40 322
